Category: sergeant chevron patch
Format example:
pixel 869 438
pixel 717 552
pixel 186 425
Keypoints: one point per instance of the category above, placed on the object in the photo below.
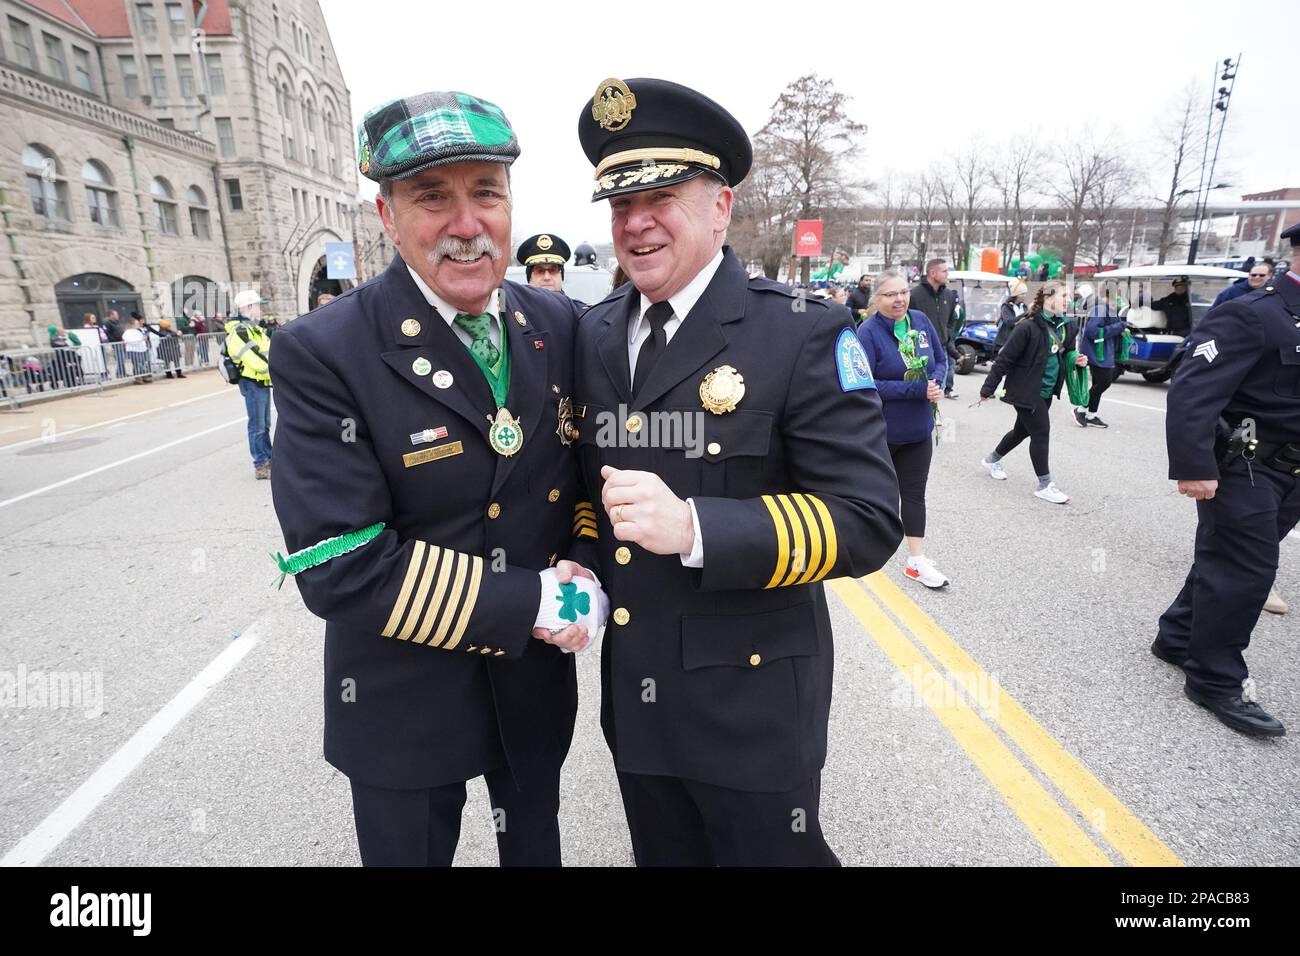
pixel 1209 350
pixel 851 363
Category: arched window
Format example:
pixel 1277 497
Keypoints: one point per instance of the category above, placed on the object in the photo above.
pixel 331 147
pixel 200 222
pixel 101 197
pixel 284 99
pixel 311 153
pixel 44 184
pixel 164 206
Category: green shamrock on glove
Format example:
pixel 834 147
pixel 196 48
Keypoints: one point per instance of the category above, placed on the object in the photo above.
pixel 573 602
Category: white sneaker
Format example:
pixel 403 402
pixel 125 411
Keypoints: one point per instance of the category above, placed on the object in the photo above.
pixel 1052 493
pixel 1275 604
pixel 995 469
pixel 922 570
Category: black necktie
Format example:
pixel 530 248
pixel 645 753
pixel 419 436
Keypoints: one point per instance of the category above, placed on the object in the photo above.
pixel 653 347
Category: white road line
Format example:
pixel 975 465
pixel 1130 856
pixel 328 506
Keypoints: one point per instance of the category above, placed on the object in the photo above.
pixel 111 421
pixel 1152 408
pixel 123 461
pixel 73 811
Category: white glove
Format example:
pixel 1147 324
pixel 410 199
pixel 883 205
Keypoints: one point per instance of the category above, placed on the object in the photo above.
pixel 581 602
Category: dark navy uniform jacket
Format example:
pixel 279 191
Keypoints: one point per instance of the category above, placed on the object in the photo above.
pixel 723 674
pixel 430 623
pixel 1243 361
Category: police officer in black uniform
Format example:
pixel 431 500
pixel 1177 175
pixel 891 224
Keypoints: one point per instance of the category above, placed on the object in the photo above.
pixel 425 478
pixel 543 257
pixel 733 442
pixel 1233 434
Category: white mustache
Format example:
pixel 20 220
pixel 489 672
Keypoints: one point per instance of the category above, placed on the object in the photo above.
pixel 450 247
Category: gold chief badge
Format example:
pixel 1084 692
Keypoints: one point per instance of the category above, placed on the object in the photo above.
pixel 544 243
pixel 722 389
pixel 505 434
pixel 612 105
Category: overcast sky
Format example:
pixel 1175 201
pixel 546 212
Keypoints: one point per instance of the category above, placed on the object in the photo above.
pixel 922 87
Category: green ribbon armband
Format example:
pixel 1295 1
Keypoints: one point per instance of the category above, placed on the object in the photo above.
pixel 323 551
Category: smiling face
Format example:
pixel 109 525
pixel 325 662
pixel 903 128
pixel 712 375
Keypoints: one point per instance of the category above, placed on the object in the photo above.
pixel 663 237
pixel 1258 276
pixel 892 297
pixel 450 224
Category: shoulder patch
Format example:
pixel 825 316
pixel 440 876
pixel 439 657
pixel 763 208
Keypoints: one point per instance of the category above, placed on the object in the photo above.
pixel 851 363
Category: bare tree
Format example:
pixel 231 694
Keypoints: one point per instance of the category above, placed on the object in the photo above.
pixel 1080 163
pixel 1177 144
pixel 1104 227
pixel 924 203
pixel 1016 175
pixel 762 217
pixel 961 189
pixel 893 195
pixel 808 135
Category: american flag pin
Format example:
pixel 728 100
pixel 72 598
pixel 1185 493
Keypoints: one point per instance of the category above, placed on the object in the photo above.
pixel 428 435
pixel 538 344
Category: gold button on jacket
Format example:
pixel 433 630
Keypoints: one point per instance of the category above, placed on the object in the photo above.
pixel 621 616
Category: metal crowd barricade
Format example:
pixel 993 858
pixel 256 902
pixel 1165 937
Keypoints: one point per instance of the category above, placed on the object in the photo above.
pixel 40 373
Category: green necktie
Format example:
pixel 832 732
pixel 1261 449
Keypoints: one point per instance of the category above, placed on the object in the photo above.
pixel 478 327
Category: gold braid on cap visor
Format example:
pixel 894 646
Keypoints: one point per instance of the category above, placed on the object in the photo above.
pixel 659 155
pixel 544 258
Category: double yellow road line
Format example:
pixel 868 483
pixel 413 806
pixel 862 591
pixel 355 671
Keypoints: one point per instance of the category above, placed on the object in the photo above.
pixel 1050 823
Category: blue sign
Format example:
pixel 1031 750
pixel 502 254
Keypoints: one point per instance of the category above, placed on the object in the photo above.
pixel 339 261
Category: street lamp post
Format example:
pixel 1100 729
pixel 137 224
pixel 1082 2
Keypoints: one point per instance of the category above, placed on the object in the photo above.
pixel 1219 104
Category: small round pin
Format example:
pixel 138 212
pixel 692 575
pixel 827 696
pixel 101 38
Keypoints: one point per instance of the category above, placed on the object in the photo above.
pixel 442 378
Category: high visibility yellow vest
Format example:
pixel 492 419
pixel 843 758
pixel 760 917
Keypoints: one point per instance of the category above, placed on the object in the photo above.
pixel 251 356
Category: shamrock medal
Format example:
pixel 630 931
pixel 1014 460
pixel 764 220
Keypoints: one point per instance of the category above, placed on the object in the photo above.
pixel 505 435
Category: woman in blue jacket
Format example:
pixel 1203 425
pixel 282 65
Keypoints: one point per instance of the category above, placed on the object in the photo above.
pixel 1100 342
pixel 908 363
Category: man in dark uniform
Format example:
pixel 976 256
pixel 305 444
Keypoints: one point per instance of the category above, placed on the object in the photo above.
pixel 1177 307
pixel 1233 433
pixel 543 257
pixel 424 477
pixel 737 458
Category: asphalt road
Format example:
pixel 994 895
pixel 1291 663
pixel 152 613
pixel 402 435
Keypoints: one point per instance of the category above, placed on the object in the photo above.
pixel 1014 718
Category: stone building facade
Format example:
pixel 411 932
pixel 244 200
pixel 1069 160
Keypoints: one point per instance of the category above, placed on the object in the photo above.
pixel 155 149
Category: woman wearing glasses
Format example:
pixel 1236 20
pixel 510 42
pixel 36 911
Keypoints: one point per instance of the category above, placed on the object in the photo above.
pixel 908 363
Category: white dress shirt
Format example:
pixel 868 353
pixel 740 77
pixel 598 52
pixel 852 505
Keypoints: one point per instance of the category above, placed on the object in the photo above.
pixel 637 333
pixel 449 312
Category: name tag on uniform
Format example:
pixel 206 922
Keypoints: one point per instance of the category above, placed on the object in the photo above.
pixel 411 459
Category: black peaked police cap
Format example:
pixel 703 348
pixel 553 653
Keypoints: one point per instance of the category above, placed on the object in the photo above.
pixel 644 133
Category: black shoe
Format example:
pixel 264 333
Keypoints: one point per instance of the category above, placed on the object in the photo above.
pixel 1081 418
pixel 169 374
pixel 1164 655
pixel 1094 420
pixel 1244 716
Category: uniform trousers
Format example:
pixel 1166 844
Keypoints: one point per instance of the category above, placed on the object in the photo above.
pixel 1237 535
pixel 677 822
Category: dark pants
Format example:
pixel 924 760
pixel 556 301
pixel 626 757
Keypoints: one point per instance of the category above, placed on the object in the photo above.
pixel 676 822
pixel 422 827
pixel 1034 424
pixel 1237 534
pixel 912 465
pixel 1102 379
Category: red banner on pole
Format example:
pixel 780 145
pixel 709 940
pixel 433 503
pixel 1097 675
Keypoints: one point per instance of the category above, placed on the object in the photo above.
pixel 808 237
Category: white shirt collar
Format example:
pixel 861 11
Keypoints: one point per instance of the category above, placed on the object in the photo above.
pixel 448 312
pixel 684 300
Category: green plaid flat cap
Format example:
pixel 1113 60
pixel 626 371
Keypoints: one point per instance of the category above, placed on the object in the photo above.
pixel 404 136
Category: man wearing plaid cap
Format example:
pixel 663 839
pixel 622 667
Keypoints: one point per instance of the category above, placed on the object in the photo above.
pixel 425 483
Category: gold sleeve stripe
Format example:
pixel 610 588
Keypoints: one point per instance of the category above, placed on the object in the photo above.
pixel 585 523
pixel 471 597
pixel 798 551
pixel 814 535
pixel 586 533
pixel 782 543
pixel 439 591
pixel 404 595
pixel 447 612
pixel 417 602
pixel 832 551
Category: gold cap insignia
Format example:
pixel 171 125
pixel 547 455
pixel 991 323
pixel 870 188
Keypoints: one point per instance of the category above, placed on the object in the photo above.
pixel 722 389
pixel 612 105
pixel 544 243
